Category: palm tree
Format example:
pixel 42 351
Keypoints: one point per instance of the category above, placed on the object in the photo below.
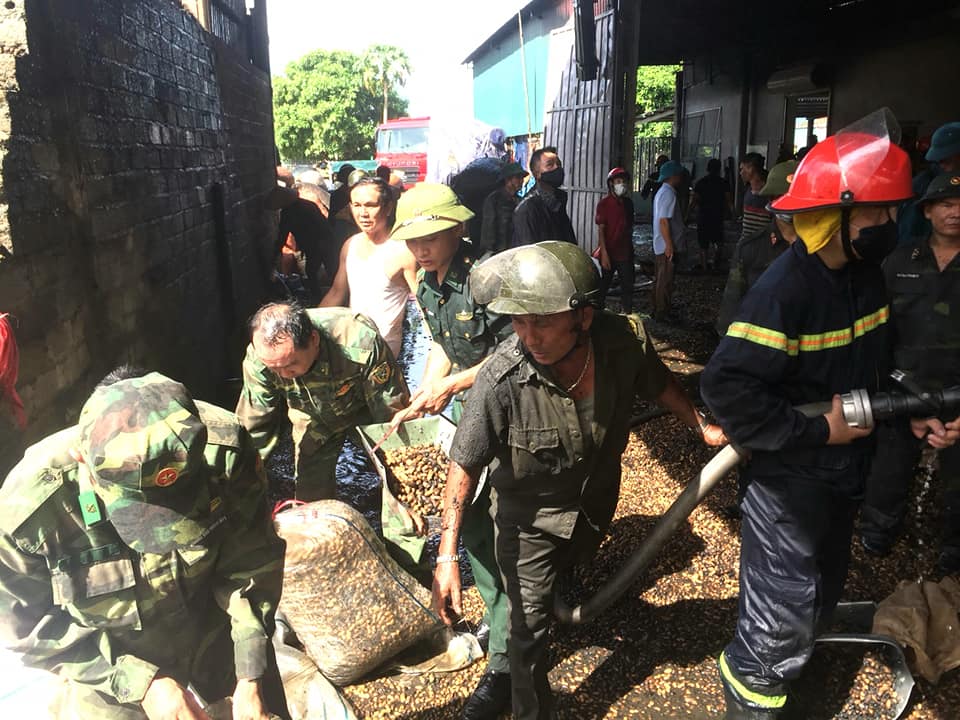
pixel 385 67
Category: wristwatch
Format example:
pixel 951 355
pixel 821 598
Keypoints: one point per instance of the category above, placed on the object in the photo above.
pixel 448 559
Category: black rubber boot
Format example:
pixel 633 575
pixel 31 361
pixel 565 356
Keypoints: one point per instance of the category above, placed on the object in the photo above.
pixel 737 710
pixel 491 698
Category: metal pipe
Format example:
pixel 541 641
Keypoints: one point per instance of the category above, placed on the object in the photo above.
pixel 523 72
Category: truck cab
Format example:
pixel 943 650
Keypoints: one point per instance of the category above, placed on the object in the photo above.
pixel 402 147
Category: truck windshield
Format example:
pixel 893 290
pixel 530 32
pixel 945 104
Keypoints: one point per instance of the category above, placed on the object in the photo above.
pixel 402 140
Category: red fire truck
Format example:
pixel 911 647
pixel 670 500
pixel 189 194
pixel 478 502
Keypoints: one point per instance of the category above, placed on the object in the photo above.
pixel 402 146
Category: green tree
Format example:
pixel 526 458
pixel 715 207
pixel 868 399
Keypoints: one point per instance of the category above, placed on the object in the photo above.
pixel 322 110
pixel 385 68
pixel 656 85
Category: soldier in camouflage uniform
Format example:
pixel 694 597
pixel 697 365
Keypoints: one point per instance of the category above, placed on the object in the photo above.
pixel 137 556
pixel 332 370
pixel 430 219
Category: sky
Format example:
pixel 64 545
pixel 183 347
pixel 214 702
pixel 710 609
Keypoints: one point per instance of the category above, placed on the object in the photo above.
pixel 436 34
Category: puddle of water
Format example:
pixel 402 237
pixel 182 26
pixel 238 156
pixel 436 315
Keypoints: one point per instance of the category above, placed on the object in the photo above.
pixel 358 484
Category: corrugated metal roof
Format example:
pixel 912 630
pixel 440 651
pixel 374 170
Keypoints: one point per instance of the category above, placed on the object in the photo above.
pixel 509 26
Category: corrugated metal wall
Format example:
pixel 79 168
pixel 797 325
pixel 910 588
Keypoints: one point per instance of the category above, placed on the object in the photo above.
pixel 581 124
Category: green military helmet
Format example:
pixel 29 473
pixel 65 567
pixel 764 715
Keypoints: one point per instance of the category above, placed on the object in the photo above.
pixel 143 443
pixel 779 179
pixel 356 176
pixel 428 208
pixel 543 279
pixel 943 187
pixel 945 142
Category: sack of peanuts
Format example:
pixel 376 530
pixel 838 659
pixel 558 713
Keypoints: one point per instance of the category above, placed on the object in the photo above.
pixel 350 604
pixel 412 464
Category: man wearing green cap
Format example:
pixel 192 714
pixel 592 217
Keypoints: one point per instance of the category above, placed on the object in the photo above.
pixel 754 253
pixel 496 232
pixel 923 284
pixel 430 220
pixel 137 557
pixel 944 157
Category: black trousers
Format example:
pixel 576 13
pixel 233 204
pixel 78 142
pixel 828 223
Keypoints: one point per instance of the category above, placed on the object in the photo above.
pixel 890 480
pixel 625 270
pixel 795 547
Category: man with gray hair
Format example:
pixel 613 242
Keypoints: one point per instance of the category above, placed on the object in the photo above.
pixel 332 370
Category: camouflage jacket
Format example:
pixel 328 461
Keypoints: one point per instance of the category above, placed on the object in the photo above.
pixel 77 601
pixel 355 380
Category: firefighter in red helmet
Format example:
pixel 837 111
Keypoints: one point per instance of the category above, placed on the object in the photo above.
pixel 812 327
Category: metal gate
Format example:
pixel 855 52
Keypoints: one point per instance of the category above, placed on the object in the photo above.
pixel 586 119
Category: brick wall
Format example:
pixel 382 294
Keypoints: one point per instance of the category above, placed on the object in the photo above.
pixel 136 152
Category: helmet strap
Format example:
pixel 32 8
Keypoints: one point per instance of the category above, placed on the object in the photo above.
pixel 845 234
pixel 583 338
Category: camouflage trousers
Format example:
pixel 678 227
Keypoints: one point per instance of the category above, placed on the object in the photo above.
pixel 212 677
pixel 315 460
pixel 316 473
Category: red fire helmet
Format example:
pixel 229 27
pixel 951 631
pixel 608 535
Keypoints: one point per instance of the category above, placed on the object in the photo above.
pixel 860 165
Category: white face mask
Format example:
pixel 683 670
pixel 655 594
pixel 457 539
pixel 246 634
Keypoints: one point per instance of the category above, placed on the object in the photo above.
pixel 619 189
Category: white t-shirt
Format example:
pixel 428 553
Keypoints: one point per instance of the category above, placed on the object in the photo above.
pixel 665 206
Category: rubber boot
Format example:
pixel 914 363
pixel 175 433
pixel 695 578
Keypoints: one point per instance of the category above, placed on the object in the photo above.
pixel 736 710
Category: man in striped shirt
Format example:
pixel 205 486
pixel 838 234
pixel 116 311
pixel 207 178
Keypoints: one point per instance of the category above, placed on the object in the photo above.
pixel 755 215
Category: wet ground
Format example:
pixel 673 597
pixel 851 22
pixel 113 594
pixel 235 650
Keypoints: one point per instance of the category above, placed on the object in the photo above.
pixel 652 656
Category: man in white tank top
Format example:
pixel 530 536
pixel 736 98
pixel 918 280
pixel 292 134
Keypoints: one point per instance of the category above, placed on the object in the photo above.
pixel 375 276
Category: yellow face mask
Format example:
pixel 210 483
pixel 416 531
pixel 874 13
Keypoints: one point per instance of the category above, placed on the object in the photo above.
pixel 816 227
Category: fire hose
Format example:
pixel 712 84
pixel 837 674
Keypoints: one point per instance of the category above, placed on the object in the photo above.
pixel 860 409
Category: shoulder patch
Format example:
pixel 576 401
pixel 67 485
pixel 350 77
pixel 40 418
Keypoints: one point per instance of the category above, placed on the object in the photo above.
pixel 25 490
pixel 223 428
pixel 381 373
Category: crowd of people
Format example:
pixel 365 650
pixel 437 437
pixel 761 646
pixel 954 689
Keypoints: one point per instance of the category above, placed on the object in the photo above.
pixel 137 555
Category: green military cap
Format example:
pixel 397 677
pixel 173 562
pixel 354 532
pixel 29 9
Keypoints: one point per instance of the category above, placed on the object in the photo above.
pixel 428 208
pixel 942 187
pixel 778 179
pixel 143 442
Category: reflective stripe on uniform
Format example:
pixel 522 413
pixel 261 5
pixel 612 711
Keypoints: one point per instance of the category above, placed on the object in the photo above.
pixel 758 699
pixel 763 336
pixel 810 343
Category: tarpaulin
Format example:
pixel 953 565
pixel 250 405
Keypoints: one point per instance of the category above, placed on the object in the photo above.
pixel 922 616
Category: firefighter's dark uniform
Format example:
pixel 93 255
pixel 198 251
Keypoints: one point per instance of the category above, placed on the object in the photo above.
pixel 556 490
pixel 468 332
pixel 803 333
pixel 924 303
